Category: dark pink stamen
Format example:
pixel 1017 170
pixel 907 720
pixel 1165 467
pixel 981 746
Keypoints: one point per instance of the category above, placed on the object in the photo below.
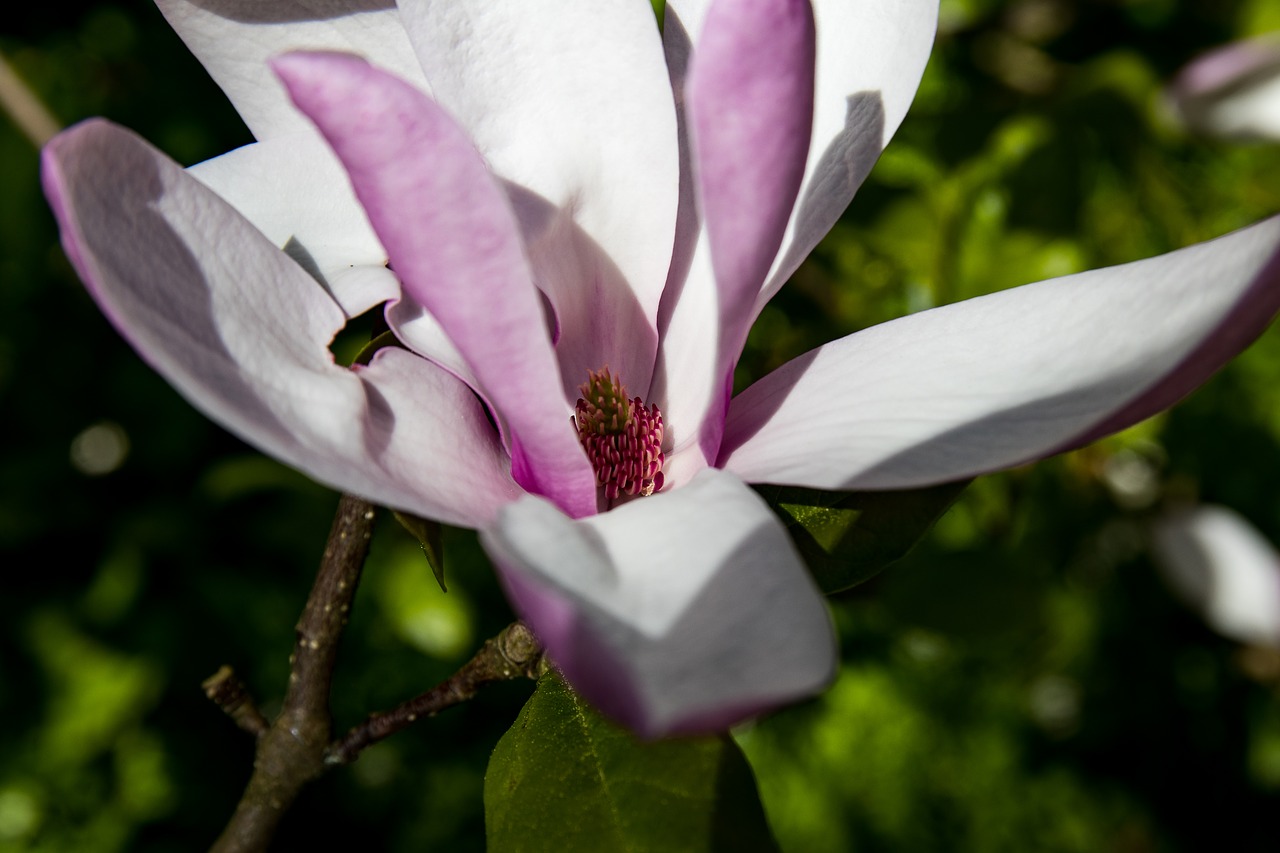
pixel 622 437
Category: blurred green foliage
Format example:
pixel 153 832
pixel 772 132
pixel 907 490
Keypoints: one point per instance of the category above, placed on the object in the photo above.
pixel 1021 680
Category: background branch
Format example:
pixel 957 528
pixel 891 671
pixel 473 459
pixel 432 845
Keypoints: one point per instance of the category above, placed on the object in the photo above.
pixel 30 115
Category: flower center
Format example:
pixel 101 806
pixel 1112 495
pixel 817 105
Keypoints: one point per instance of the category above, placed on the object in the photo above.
pixel 622 437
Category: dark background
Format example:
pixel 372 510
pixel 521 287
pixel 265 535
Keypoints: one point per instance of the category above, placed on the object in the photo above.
pixel 1022 681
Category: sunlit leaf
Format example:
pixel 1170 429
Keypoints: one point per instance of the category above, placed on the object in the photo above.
pixel 565 778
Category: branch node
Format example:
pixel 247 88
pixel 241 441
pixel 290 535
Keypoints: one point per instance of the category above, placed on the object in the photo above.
pixel 226 690
pixel 521 649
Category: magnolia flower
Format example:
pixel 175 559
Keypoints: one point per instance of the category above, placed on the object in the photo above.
pixel 1222 567
pixel 534 192
pixel 1232 92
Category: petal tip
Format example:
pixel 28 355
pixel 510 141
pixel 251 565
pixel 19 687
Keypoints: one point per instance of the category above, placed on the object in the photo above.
pixel 307 68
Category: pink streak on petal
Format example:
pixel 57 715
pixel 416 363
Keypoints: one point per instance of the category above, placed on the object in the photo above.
pixel 453 240
pixel 750 103
pixel 570 104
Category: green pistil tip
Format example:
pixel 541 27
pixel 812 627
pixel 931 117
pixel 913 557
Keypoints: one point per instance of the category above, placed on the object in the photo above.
pixel 604 408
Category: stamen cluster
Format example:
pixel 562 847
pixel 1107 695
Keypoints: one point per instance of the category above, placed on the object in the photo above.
pixel 622 437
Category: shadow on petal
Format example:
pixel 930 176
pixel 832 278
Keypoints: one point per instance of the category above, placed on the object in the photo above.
pixel 682 613
pixel 1249 318
pixel 258 12
pixel 740 429
pixel 379 422
pixel 596 319
pixel 844 165
pixel 167 284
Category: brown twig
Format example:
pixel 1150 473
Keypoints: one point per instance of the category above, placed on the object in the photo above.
pixel 514 653
pixel 291 752
pixel 225 689
pixel 297 748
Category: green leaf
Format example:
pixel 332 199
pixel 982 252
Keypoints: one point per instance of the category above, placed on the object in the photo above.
pixel 430 536
pixel 849 537
pixel 565 778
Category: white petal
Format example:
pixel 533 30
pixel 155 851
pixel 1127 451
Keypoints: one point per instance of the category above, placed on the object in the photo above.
pixel 358 288
pixel 421 332
pixel 1223 567
pixel 686 375
pixel 455 244
pixel 233 39
pixel 686 379
pixel 685 611
pixel 570 103
pixel 243 333
pixel 1010 377
pixel 871 55
pixel 295 191
pixel 433 448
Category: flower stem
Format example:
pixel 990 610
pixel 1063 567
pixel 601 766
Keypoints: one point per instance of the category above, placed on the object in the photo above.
pixel 291 752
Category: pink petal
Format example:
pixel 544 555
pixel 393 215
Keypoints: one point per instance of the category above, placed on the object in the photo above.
pixel 295 191
pixel 870 57
pixel 453 242
pixel 234 39
pixel 684 612
pixel 1229 66
pixel 570 105
pixel 750 108
pixel 1004 379
pixel 1223 567
pixel 242 332
pixel 1233 92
